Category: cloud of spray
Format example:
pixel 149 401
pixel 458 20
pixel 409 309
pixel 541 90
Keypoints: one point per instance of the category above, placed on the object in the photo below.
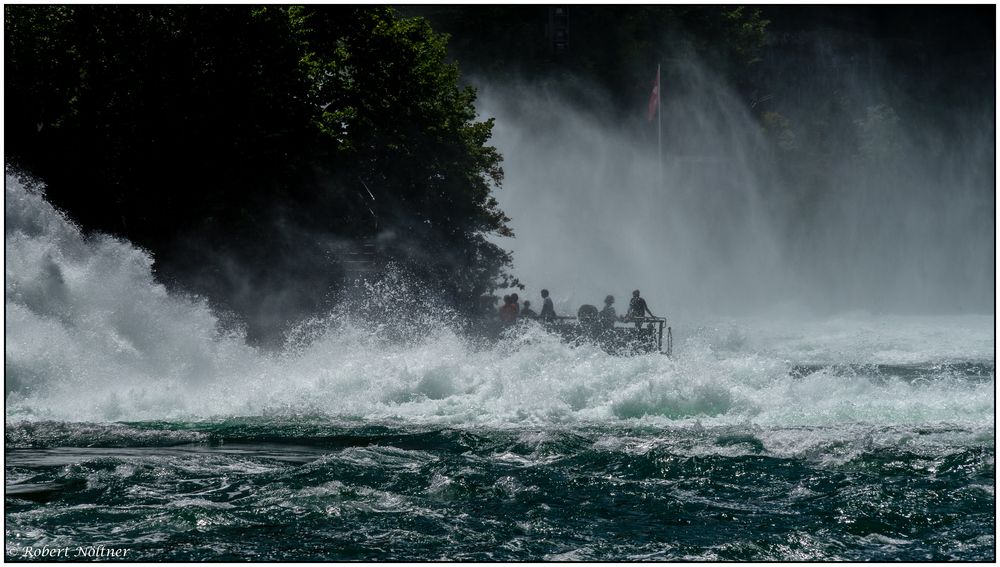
pixel 268 287
pixel 903 223
pixel 92 336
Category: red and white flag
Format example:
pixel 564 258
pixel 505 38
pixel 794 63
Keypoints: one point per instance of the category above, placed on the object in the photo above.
pixel 654 97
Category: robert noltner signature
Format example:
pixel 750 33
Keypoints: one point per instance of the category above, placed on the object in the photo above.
pixel 68 552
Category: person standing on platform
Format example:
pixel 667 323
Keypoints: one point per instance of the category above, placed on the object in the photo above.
pixel 548 311
pixel 637 309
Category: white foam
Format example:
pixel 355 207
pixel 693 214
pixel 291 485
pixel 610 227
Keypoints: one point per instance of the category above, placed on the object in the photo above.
pixel 91 336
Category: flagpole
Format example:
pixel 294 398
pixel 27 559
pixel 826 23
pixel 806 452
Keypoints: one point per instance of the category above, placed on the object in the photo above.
pixel 659 125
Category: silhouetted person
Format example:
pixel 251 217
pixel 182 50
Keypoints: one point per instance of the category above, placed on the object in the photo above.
pixel 608 313
pixel 508 311
pixel 548 311
pixel 527 311
pixel 637 309
pixel 589 319
pixel 587 313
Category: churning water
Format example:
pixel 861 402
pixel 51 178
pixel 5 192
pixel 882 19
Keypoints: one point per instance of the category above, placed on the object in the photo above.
pixel 136 420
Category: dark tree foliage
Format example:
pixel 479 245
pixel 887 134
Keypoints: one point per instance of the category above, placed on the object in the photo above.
pixel 238 142
pixel 615 47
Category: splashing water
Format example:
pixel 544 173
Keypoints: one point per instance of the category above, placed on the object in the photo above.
pixel 92 336
pixel 413 440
